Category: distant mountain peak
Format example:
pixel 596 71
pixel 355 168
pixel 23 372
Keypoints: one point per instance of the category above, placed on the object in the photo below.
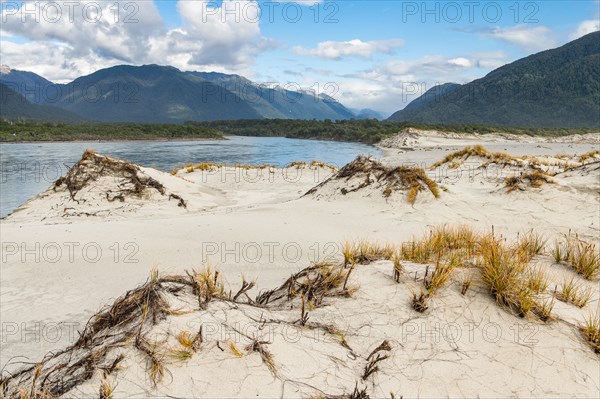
pixel 5 69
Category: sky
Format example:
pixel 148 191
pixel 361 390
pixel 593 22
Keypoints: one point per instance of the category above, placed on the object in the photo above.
pixel 365 54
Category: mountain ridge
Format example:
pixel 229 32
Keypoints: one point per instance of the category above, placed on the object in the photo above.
pixel 553 88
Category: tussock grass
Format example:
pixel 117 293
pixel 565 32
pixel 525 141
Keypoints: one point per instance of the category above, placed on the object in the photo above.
pixel 213 166
pixel 583 257
pixel 571 291
pixel 591 331
pixel 537 280
pixel 590 155
pixel 440 275
pixel 207 285
pixel 314 284
pixel 544 310
pixel 441 240
pixel 534 179
pixel 419 301
pixel 457 158
pixel 411 180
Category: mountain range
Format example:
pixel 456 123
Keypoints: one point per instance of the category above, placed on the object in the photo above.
pixel 554 88
pixel 164 94
pixel 558 88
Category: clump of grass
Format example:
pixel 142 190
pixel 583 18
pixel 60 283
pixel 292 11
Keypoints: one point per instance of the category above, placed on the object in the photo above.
pixel 459 157
pixel 533 179
pixel 592 154
pixel 402 178
pixel 573 292
pixel 537 280
pixel 583 257
pixel 419 301
pixel 323 165
pixel 440 275
pixel 466 284
pixel 297 164
pixel 591 331
pixel 189 341
pixel 530 245
pixel 204 166
pixel 544 310
pixel 501 270
pixel 207 285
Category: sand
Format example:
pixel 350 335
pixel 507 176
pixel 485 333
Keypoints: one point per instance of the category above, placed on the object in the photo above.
pixel 60 267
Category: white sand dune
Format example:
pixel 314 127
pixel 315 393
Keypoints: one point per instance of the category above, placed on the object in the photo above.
pixel 62 266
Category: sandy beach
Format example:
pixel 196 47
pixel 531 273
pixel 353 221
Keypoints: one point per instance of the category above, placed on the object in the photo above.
pixel 72 251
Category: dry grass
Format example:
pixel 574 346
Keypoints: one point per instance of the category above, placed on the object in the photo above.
pixel 573 292
pixel 234 349
pixel 419 301
pixel 442 241
pixel 582 256
pixel 591 331
pixel 501 272
pixel 457 158
pixel 537 280
pixel 107 389
pixel 590 155
pixel 189 341
pixel 544 310
pixel 466 283
pixel 440 275
pixel 533 179
pixel 207 285
pixel 131 181
pixel 266 356
pixel 374 358
pixel 155 361
pixel 411 180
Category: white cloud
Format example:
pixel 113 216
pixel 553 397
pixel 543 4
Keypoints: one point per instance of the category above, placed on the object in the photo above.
pixel 525 36
pixel 218 38
pixel 353 48
pixel 585 27
pixel 390 86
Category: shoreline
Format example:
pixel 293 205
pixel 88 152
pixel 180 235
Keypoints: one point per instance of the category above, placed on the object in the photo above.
pixel 114 140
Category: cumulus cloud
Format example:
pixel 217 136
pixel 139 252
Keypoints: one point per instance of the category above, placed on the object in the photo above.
pixel 97 34
pixel 585 27
pixel 353 48
pixel 390 86
pixel 525 36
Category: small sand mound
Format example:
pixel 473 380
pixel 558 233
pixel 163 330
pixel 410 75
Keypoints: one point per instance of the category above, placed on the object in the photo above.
pixel 100 186
pixel 367 175
pixel 408 138
pixel 129 179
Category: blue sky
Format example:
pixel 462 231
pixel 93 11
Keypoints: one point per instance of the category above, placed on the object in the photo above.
pixel 375 54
